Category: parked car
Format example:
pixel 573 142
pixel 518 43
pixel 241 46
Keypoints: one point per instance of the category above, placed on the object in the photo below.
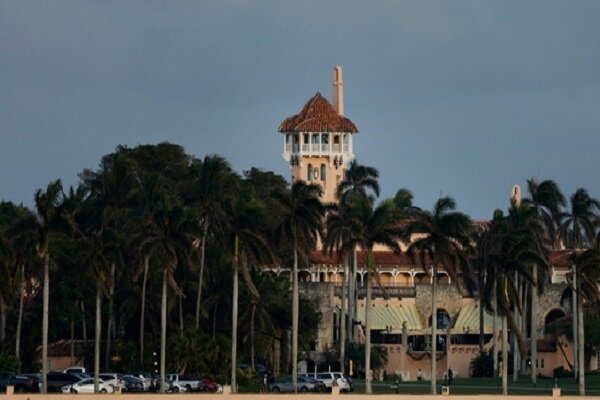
pixel 112 379
pixel 328 378
pixel 211 386
pixel 132 384
pixel 78 370
pixel 20 383
pixel 183 382
pixel 304 385
pixel 87 386
pixel 145 377
pixel 319 385
pixel 56 380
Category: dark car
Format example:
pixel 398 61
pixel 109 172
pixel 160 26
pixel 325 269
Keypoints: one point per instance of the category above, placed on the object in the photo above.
pixel 21 383
pixel 132 384
pixel 56 380
pixel 210 385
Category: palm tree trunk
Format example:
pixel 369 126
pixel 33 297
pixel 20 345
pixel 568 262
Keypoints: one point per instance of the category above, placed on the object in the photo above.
pixel 504 355
pixel 72 343
pixel 434 330
pixel 343 317
pixel 214 322
pixel 234 316
pixel 580 333
pixel 20 317
pixel 163 331
pixel 252 317
pixel 181 327
pixel 83 322
pixel 353 296
pixel 575 332
pixel 295 312
pixel 495 333
pixel 533 319
pixel 201 278
pixel 523 321
pixel 46 298
pixel 2 321
pixel 368 307
pixel 481 283
pixel 97 338
pixel 143 309
pixel 514 346
pixel 111 317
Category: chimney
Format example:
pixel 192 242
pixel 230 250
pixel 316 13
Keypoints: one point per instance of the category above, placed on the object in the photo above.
pixel 338 90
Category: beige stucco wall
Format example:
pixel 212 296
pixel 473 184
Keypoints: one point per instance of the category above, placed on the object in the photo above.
pixel 333 175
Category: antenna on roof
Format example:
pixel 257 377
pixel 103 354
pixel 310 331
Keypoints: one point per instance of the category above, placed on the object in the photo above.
pixel 338 90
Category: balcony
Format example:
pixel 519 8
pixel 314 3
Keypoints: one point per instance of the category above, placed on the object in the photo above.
pixel 392 291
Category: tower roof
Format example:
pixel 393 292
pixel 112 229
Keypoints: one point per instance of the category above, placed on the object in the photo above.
pixel 317 116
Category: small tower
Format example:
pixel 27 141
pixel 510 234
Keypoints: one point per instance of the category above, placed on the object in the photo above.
pixel 318 140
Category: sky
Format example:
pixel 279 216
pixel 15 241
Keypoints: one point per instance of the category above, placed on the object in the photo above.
pixel 453 98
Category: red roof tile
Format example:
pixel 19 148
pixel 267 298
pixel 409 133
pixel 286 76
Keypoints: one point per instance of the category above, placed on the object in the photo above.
pixel 317 116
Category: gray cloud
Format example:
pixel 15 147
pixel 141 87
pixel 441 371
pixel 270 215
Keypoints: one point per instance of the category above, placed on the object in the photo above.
pixel 456 97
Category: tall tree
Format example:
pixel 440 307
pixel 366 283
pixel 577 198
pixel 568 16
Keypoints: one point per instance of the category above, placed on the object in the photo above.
pixel 300 224
pixel 213 185
pixel 50 219
pixel 587 264
pixel 547 199
pixel 577 230
pixel 248 242
pixel 358 180
pixel 444 244
pixel 369 226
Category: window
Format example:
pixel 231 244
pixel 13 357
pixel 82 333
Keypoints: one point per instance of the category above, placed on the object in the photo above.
pixel 306 138
pixel 323 172
pixel 309 172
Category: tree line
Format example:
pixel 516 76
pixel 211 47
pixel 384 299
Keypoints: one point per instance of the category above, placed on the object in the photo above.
pixel 155 240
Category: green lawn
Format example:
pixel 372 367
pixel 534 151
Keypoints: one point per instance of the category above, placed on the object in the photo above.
pixel 489 386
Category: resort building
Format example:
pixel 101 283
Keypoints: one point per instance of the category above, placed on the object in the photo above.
pixel 318 144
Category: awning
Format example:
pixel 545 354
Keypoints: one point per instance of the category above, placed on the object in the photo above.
pixel 468 321
pixel 385 315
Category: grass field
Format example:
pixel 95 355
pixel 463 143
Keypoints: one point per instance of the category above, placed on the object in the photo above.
pixel 471 386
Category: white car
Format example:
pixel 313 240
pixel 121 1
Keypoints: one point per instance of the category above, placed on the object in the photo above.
pixel 328 378
pixel 87 386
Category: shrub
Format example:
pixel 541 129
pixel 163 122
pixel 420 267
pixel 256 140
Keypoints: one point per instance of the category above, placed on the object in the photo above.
pixel 482 365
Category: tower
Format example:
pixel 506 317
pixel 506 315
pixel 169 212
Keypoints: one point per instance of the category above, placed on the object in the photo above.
pixel 318 140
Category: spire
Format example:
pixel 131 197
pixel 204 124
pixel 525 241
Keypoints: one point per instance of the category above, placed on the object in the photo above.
pixel 338 90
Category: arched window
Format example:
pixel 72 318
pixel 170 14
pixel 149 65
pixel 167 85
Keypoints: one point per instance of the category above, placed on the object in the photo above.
pixel 309 172
pixel 443 319
pixel 323 172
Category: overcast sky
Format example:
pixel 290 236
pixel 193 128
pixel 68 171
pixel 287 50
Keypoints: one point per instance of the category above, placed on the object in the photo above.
pixel 462 98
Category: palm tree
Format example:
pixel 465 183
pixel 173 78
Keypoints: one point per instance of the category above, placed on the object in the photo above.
pixel 445 244
pixel 248 240
pixel 577 231
pixel 166 238
pixel 369 226
pixel 358 180
pixel 547 199
pixel 587 264
pixel 300 223
pixel 50 219
pixel 510 250
pixel 214 184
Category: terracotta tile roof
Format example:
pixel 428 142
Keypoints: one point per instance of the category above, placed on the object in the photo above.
pixel 317 116
pixel 381 258
pixel 558 258
pixel 62 348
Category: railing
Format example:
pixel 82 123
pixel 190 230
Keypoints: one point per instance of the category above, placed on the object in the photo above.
pixel 316 148
pixel 395 291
